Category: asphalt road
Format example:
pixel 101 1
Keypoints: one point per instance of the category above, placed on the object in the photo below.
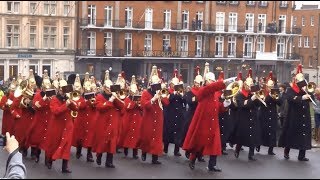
pixel 177 167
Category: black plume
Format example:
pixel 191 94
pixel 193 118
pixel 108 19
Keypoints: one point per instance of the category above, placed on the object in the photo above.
pixel 38 80
pixel 71 78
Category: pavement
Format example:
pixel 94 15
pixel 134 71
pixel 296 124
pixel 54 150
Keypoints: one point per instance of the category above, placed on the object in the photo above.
pixel 266 167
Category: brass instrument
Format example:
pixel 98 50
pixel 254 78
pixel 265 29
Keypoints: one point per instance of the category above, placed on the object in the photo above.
pixel 164 92
pixel 74 96
pixel 122 94
pixel 260 96
pixel 275 96
pixel 310 89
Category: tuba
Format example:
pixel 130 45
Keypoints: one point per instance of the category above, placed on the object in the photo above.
pixel 74 96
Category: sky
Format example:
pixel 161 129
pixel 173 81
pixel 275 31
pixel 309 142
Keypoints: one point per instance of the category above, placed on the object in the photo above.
pixel 299 3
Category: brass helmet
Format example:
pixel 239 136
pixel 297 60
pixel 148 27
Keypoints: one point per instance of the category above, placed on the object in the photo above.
pixel 19 79
pixel 154 77
pixel 270 81
pixel 62 82
pixel 77 83
pixel 198 78
pixel 46 83
pixel 107 81
pixel 23 86
pixel 121 81
pixel 31 79
pixel 133 85
pixel 87 82
pixel 163 83
pixel 180 79
pixel 299 76
pixel 175 79
pixel 93 85
pixel 56 81
pixel 239 79
pixel 13 84
pixel 206 71
pixel 249 80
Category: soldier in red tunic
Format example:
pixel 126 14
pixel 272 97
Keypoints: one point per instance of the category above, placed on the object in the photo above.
pixel 131 120
pixel 41 103
pixel 152 119
pixel 203 136
pixel 5 104
pixel 106 130
pixel 60 128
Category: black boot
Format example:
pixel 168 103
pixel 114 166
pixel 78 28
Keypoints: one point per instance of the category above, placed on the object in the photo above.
pixel 270 151
pixel 212 165
pixel 192 164
pixel 251 154
pixel 201 159
pixel 37 157
pixel 65 168
pixel 33 153
pixel 135 154
pixel 237 151
pixel 125 151
pixel 89 155
pixel 109 161
pixel 187 154
pixel 286 153
pixel 155 159
pixel 165 147
pixel 176 150
pixel 48 162
pixel 99 156
pixel 144 156
pixel 302 155
pixel 78 153
pixel 258 148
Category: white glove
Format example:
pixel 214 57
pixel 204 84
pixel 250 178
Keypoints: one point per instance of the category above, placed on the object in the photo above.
pixel 253 97
pixel 181 94
pixel 112 98
pixel 193 98
pixel 44 97
pixel 226 103
pixel 114 94
pixel 305 97
pixel 174 92
pixel 222 96
pixel 155 97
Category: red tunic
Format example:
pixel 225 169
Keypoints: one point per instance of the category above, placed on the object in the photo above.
pixel 38 129
pixel 152 124
pixel 106 129
pixel 79 130
pixel 131 124
pixel 89 125
pixel 21 125
pixel 60 129
pixel 204 132
pixel 7 118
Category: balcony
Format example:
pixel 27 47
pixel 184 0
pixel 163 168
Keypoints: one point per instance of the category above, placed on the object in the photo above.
pixel 263 4
pixel 221 2
pixel 283 4
pixel 234 3
pixel 250 3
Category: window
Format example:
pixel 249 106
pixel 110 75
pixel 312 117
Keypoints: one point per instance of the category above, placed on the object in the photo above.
pixel 303 20
pixel 306 41
pixel 66 8
pixel 198 46
pixel 91 43
pixel 220 21
pixel 198 21
pixel 92 15
pixel 108 43
pixel 108 16
pixel 249 22
pixel 185 19
pixel 300 41
pixel 33 35
pixel 148 45
pixel 301 60
pixel 260 44
pixel 262 20
pixel 280 47
pixel 2 71
pixel 148 18
pixel 232 21
pixel 166 43
pixel 250 3
pixel 13 6
pixel 13 33
pixel 128 17
pixel 50 7
pixel 283 4
pixel 294 23
pixel 263 3
pixel 167 19
pixel 314 41
pixel 282 24
pixel 13 68
pixel 219 46
pixel 32 7
pixel 248 47
pixel 184 46
pixel 128 44
pixel 231 46
pixel 66 36
pixel 310 61
pixel 34 65
pixel 46 64
pixel 312 20
pixel 234 2
pixel 49 34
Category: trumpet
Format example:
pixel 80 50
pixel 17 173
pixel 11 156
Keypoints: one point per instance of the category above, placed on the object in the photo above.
pixel 310 89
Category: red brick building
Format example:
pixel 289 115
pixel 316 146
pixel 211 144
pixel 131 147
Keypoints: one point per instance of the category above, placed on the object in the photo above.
pixel 230 35
pixel 306 45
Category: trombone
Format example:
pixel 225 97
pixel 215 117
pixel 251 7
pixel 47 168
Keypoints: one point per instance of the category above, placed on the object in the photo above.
pixel 310 89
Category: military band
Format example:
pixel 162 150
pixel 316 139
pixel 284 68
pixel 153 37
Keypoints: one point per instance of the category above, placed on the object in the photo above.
pixel 52 115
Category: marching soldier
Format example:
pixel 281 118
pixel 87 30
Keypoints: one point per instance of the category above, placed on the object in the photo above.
pixel 106 130
pixel 296 132
pixel 41 103
pixel 60 128
pixel 174 122
pixel 131 121
pixel 192 102
pixel 22 111
pixel 152 119
pixel 268 117
pixel 203 136
pixel 5 104
pixel 247 128
pixel 122 95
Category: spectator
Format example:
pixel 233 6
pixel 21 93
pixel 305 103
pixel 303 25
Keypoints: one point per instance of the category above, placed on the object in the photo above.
pixel 282 111
pixel 317 114
pixel 15 169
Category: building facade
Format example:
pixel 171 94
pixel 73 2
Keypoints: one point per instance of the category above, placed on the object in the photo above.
pixel 36 35
pixel 232 36
pixel 306 45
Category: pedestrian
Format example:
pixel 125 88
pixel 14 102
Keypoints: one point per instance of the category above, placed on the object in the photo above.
pixel 283 108
pixel 316 109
